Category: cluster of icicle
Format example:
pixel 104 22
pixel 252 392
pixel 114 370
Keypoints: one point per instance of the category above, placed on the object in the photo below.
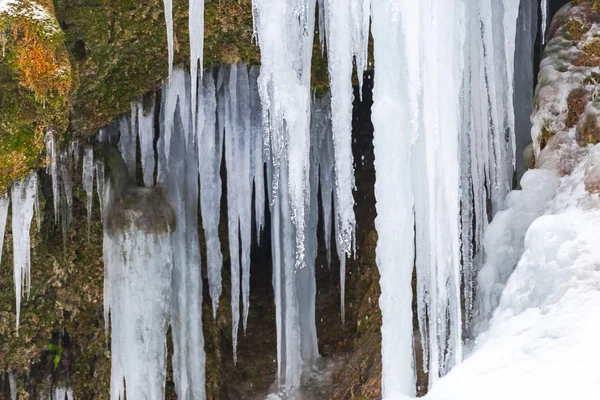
pixel 444 143
pixel 146 272
pixel 24 199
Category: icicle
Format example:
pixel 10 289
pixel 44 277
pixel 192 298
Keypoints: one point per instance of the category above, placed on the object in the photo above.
pixel 88 183
pixel 237 162
pixel 67 193
pixel 257 164
pixel 12 382
pixel 210 147
pixel 23 199
pixel 393 191
pixel 286 38
pixel 146 135
pixel 246 175
pixel 321 120
pixel 99 168
pixel 52 170
pixel 340 31
pixel 511 13
pixel 168 6
pixel 196 25
pixel 175 96
pixel 4 202
pixel 544 6
pixel 127 141
pixel 37 209
pixel 231 135
pixel 178 173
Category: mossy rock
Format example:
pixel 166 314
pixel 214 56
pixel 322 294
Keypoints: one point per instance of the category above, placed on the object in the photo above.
pixel 35 84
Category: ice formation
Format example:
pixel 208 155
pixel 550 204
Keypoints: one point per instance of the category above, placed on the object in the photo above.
pixel 346 29
pixel 88 182
pixel 4 202
pixel 168 7
pixel 235 96
pixel 13 385
pixel 544 6
pixel 145 133
pixel 66 193
pixel 23 195
pixel 178 173
pixel 196 26
pixel 52 170
pixel 138 268
pixel 443 162
pixel 257 163
pixel 286 40
pixel 127 141
pixel 504 239
pixel 210 147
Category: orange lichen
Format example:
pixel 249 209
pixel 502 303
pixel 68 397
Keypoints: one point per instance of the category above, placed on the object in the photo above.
pixel 40 67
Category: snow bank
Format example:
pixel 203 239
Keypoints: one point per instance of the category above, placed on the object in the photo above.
pixel 543 338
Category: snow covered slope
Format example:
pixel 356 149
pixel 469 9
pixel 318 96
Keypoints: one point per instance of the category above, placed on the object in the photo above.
pixel 542 342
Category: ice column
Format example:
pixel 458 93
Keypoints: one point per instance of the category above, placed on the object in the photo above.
pixel 285 31
pixel 178 173
pixel 168 6
pixel 210 147
pixel 145 131
pixel 23 198
pixel 4 202
pixel 544 5
pixel 52 170
pixel 236 99
pixel 196 26
pixel 257 163
pixel 285 35
pixel 138 274
pixel 393 191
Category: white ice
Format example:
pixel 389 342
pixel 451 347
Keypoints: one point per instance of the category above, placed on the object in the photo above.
pixel 504 239
pixel 168 8
pixel 52 170
pixel 23 198
pixel 544 5
pixel 210 148
pixel 145 123
pixel 138 272
pixel 178 173
pixel 4 203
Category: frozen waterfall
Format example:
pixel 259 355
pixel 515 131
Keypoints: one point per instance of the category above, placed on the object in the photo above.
pixel 439 162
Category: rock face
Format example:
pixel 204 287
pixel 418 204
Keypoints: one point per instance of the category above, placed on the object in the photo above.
pixel 567 102
pixel 35 84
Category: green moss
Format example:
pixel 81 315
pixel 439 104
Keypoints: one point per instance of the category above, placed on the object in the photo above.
pixel 35 81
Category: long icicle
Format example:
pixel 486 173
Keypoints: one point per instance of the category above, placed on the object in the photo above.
pixel 23 199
